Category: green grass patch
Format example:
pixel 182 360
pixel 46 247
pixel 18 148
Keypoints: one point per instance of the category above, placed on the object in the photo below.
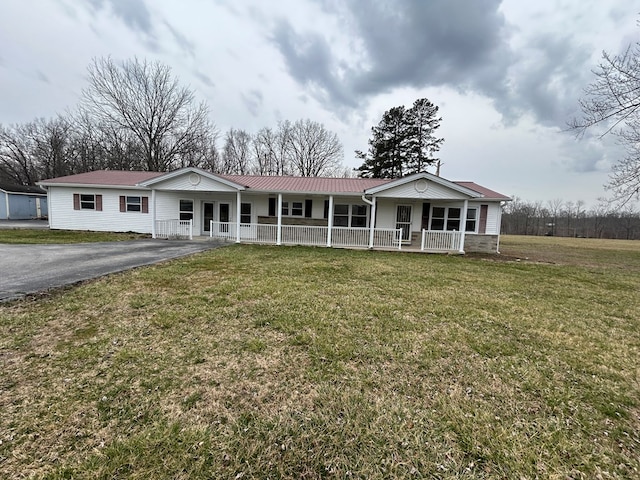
pixel 45 236
pixel 291 362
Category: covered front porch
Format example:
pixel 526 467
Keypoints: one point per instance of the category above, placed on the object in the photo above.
pixel 317 236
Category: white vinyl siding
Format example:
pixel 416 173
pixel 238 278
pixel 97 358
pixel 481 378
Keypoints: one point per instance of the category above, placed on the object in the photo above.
pixel 110 219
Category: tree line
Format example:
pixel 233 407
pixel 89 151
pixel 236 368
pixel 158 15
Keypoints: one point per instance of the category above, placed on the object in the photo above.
pixel 135 115
pixel 570 219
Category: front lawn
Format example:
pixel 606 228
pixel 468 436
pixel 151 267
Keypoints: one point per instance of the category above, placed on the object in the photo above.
pixel 291 362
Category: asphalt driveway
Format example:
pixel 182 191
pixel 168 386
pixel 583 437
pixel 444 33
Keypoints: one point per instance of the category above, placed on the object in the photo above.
pixel 34 268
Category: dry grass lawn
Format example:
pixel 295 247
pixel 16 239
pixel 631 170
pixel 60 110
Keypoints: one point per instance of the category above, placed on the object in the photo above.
pixel 287 362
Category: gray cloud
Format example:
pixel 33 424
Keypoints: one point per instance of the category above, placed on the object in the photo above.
pixel 204 78
pixel 454 43
pixel 42 77
pixel 413 43
pixel 134 13
pixel 183 42
pixel 253 101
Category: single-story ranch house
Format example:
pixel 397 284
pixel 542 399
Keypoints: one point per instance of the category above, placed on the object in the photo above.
pixel 421 211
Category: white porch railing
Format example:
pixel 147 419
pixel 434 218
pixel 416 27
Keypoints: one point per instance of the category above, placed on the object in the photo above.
pixel 307 235
pixel 173 229
pixel 441 240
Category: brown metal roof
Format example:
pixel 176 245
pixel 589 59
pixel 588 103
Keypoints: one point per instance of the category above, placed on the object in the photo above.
pixel 483 190
pixel 105 177
pixel 306 184
pixel 254 182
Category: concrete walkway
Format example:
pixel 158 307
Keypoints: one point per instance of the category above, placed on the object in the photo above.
pixel 28 269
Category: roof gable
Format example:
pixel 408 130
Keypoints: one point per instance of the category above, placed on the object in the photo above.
pixel 191 178
pixel 423 185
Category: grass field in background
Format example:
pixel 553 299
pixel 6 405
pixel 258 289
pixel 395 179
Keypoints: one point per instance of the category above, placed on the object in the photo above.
pixel 290 362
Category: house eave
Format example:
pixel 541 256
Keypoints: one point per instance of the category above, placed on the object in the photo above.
pixel 91 185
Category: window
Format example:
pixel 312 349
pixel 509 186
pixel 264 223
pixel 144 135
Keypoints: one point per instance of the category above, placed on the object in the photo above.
pixel 86 201
pixel 450 217
pixel 453 219
pixel 358 215
pixel 295 209
pixel 349 215
pixel 472 216
pixel 134 204
pixel 245 213
pixel 341 215
pixel 437 218
pixel 186 209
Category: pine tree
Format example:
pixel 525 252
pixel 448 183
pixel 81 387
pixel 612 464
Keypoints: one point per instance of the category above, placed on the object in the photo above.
pixel 403 142
pixel 422 121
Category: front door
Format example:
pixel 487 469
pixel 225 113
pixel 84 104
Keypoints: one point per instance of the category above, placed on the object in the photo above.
pixel 403 221
pixel 207 216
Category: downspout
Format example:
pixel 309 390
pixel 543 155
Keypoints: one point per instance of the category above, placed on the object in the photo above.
pixel 372 220
pixel 279 231
pixel 6 199
pixel 153 213
pixel 499 226
pixel 330 221
pixel 463 221
pixel 238 200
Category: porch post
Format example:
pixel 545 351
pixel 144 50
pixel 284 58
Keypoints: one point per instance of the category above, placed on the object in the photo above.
pixel 463 225
pixel 153 213
pixel 238 200
pixel 372 221
pixel 330 220
pixel 279 234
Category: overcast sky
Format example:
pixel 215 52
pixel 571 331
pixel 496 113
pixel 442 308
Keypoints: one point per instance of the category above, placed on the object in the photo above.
pixel 506 74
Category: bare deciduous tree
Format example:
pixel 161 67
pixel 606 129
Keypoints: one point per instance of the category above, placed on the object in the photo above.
pixel 236 153
pixel 144 100
pixel 612 104
pixel 314 150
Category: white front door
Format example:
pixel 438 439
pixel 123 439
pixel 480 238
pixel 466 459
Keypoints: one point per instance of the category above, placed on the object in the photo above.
pixel 403 220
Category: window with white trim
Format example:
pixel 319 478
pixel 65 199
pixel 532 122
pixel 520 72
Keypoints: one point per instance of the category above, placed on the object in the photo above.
pixel 297 208
pixel 245 213
pixel 472 220
pixel 133 204
pixel 350 215
pixel 186 209
pixel 87 201
pixel 449 218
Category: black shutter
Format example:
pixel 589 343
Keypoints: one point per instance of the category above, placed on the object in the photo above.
pixel 308 205
pixel 272 207
pixel 326 209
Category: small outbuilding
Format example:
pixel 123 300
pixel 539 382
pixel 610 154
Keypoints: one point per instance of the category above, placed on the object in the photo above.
pixel 19 202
